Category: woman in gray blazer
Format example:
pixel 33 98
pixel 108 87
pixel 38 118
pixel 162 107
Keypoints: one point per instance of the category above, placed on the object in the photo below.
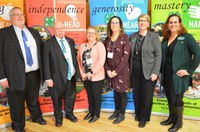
pixel 145 61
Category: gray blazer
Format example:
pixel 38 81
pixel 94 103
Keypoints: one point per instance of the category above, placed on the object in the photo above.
pixel 151 54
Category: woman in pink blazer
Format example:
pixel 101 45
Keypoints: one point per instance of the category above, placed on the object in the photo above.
pixel 91 59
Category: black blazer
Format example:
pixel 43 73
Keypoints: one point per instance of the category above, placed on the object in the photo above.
pixel 12 65
pixel 54 63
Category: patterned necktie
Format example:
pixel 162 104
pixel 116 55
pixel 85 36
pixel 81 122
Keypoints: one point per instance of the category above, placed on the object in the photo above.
pixel 27 50
pixel 69 76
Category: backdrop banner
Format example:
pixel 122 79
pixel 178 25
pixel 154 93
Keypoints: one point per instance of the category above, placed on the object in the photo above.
pixel 41 15
pixel 5 6
pixel 189 12
pixel 100 13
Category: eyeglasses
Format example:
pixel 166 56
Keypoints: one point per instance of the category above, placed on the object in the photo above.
pixel 91 33
pixel 113 23
pixel 142 20
pixel 17 14
pixel 62 28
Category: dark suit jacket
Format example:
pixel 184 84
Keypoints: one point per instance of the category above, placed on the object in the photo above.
pixel 185 47
pixel 54 63
pixel 12 65
pixel 151 54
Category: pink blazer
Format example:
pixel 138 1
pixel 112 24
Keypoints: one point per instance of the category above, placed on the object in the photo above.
pixel 98 55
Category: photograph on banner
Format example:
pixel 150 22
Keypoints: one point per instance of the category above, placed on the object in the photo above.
pixel 5 109
pixel 188 11
pixel 100 14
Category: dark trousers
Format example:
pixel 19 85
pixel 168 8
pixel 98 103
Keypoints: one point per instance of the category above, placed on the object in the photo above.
pixel 94 91
pixel 142 94
pixel 68 92
pixel 173 99
pixel 30 95
pixel 120 101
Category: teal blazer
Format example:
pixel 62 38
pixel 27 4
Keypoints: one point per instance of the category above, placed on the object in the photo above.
pixel 186 55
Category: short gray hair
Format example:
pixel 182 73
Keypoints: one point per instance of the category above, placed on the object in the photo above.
pixel 11 10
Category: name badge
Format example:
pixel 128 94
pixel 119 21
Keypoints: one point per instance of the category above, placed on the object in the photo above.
pixel 110 55
pixel 89 61
pixel 181 38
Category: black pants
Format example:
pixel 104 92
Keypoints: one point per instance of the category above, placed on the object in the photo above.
pixel 120 101
pixel 174 100
pixel 68 93
pixel 30 95
pixel 142 94
pixel 94 91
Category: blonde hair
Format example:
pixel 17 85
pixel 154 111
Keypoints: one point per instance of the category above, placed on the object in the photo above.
pixel 96 31
pixel 144 16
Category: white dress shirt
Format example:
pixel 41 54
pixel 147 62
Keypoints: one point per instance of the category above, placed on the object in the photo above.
pixel 31 43
pixel 67 55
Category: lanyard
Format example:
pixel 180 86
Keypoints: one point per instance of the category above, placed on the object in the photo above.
pixel 113 45
pixel 86 47
pixel 139 42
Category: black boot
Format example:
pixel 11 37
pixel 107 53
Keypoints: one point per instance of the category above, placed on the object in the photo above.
pixel 170 118
pixel 114 115
pixel 179 120
pixel 168 121
pixel 119 119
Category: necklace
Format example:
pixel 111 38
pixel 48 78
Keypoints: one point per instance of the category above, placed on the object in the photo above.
pixel 89 46
pixel 139 43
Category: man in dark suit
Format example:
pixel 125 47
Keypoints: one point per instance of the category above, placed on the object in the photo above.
pixel 60 72
pixel 20 69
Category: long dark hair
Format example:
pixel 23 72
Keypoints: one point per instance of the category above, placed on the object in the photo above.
pixel 109 31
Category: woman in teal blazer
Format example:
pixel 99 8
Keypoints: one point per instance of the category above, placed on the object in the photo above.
pixel 180 57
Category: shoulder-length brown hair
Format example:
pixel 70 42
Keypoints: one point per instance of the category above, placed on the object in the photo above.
pixel 166 32
pixel 109 31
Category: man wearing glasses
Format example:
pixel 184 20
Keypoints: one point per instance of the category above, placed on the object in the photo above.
pixel 60 72
pixel 20 69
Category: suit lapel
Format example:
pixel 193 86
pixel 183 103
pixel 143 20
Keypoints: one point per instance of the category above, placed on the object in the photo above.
pixel 35 37
pixel 15 39
pixel 71 47
pixel 146 39
pixel 57 47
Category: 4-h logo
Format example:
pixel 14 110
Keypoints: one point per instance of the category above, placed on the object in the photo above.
pixel 48 21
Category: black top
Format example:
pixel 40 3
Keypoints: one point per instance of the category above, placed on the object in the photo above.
pixel 168 62
pixel 137 60
pixel 87 55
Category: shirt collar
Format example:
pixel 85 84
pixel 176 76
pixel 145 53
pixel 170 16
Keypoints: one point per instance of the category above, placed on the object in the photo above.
pixel 19 29
pixel 58 39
